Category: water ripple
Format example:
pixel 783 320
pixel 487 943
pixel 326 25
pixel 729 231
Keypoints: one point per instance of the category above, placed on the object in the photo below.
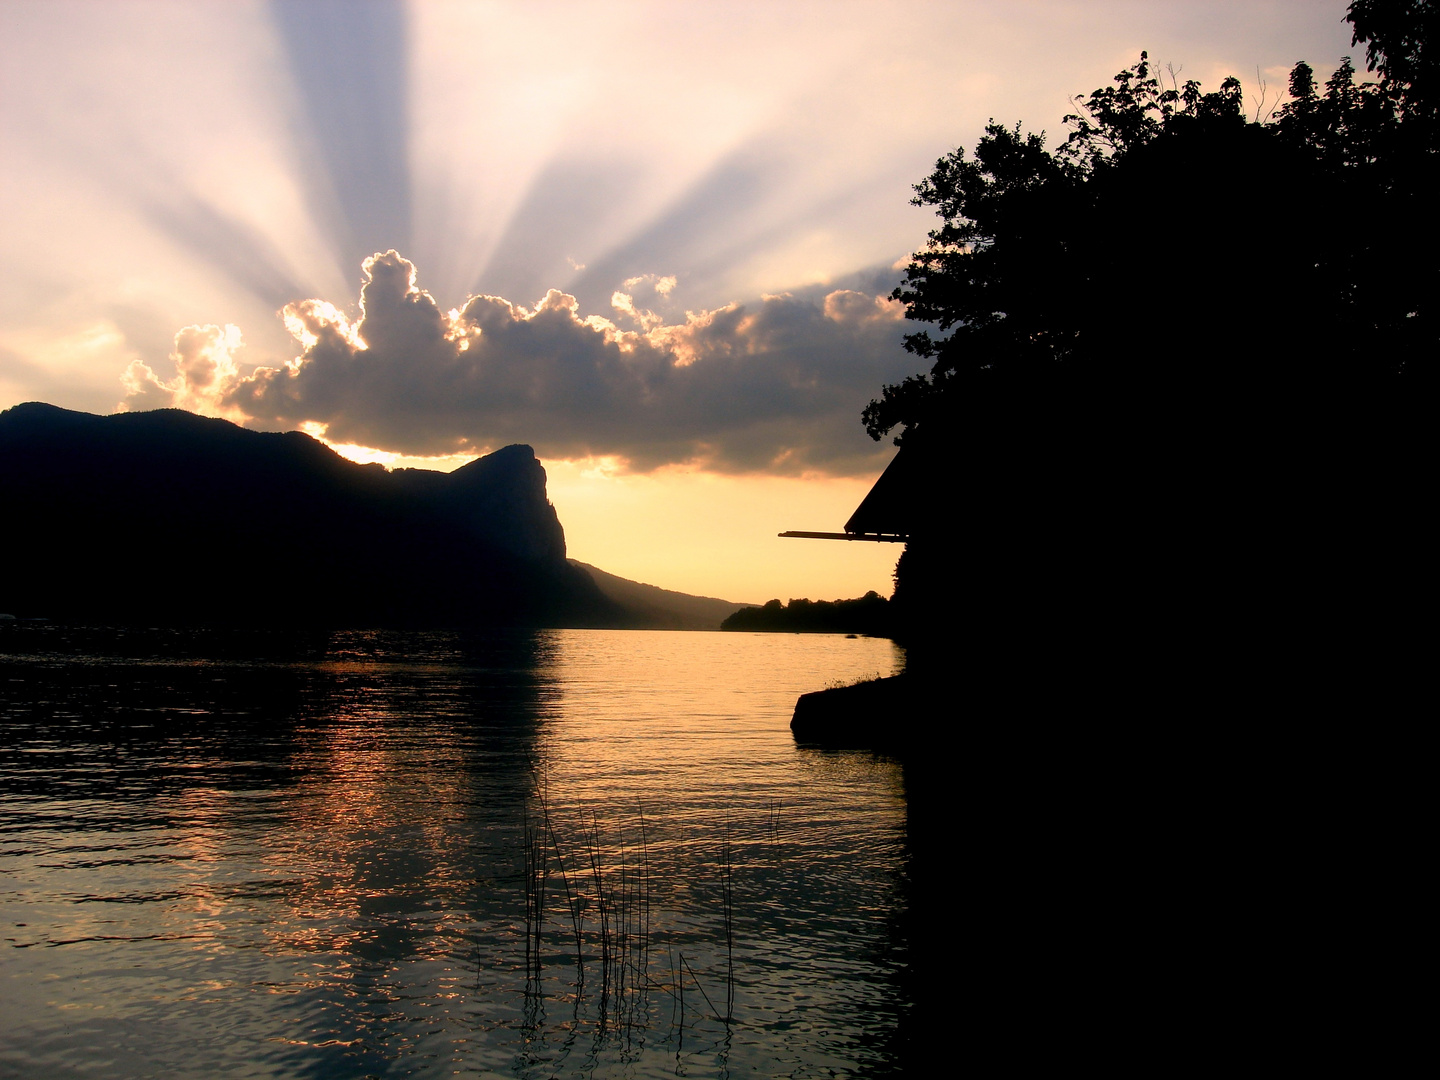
pixel 309 858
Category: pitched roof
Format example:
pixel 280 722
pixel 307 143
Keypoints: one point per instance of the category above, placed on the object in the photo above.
pixel 896 500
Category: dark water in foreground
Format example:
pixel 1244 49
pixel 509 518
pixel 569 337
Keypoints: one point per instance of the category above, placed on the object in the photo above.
pixel 313 862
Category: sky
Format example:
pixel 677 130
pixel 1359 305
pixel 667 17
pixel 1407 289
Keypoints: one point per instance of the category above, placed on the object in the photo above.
pixel 653 240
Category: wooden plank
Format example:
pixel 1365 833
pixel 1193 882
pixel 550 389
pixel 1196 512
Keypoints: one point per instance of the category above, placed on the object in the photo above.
pixel 882 538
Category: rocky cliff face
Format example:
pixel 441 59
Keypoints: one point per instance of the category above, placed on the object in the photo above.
pixel 500 499
pixel 167 516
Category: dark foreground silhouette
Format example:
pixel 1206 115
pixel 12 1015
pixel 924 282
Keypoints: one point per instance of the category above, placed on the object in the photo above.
pixel 1162 588
pixel 167 517
pixel 1171 451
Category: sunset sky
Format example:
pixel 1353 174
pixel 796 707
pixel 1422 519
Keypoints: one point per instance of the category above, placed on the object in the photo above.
pixel 653 240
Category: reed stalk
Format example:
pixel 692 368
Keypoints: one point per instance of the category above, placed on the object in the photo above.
pixel 729 903
pixel 622 885
pixel 685 964
pixel 572 900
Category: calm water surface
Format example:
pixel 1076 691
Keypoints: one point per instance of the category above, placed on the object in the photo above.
pixel 263 857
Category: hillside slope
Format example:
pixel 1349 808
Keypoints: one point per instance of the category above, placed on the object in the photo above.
pixel 654 608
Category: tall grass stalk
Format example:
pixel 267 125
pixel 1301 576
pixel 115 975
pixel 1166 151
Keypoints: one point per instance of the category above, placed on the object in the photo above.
pixel 620 886
pixel 729 905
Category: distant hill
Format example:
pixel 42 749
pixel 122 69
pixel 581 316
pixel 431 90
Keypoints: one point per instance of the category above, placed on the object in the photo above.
pixel 170 517
pixel 661 609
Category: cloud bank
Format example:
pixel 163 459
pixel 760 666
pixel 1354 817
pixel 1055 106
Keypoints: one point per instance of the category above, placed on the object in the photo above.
pixel 774 386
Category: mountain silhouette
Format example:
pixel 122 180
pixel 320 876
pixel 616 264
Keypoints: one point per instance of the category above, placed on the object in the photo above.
pixel 170 517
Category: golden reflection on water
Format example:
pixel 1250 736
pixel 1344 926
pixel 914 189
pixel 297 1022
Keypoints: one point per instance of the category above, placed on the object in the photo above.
pixel 351 882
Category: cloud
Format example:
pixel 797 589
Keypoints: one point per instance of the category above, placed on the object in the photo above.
pixel 773 386
pixel 205 369
pixel 857 308
pixel 662 285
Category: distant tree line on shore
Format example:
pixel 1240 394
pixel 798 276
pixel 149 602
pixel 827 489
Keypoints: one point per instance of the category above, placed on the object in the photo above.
pixel 869 614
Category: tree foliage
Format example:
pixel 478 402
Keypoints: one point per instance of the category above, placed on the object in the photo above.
pixel 1175 249
pixel 1396 34
pixel 869 614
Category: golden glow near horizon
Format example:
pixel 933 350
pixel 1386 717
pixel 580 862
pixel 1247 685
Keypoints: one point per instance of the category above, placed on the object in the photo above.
pixel 699 532
pixel 713 535
pixel 368 455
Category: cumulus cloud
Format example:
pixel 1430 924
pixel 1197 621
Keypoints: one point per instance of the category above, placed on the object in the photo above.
pixel 662 285
pixel 624 303
pixel 857 308
pixel 205 371
pixel 770 386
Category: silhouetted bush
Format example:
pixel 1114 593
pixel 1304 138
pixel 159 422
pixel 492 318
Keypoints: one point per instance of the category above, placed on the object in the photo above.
pixel 869 614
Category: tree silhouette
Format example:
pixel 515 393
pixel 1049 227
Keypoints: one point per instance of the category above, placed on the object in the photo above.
pixel 1169 240
pixel 1177 363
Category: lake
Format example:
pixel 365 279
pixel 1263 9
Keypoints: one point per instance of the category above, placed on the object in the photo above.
pixel 520 854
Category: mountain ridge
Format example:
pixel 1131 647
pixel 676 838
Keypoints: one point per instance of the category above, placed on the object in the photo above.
pixel 171 517
pixel 326 540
